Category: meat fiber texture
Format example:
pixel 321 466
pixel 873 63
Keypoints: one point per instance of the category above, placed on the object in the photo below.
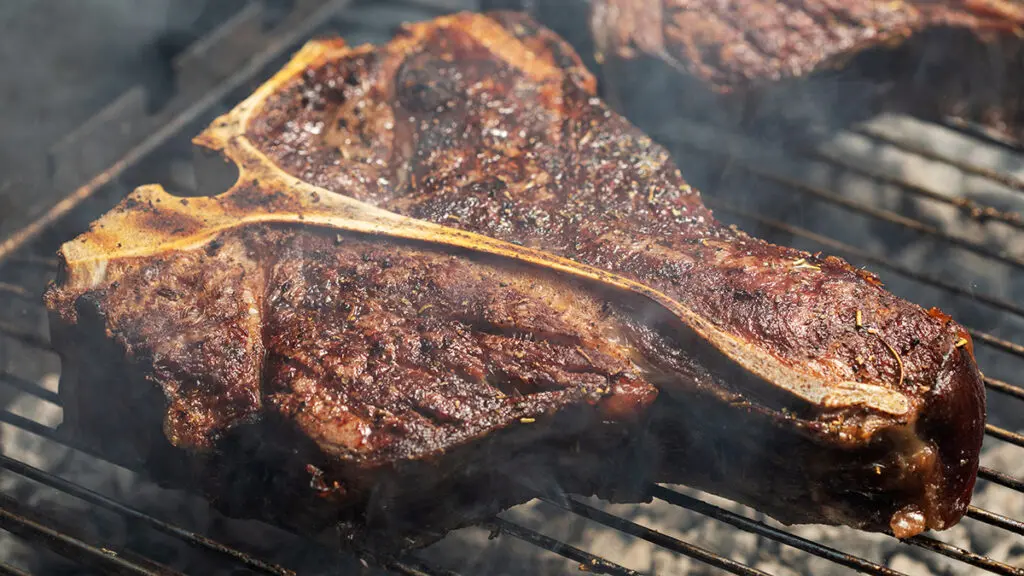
pixel 792 69
pixel 448 278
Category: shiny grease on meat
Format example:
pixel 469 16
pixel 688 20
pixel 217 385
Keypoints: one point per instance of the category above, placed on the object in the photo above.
pixel 311 378
pixel 822 397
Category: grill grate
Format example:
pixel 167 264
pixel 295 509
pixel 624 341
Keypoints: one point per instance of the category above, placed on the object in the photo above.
pixel 20 260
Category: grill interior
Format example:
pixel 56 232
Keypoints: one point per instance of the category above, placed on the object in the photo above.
pixel 931 208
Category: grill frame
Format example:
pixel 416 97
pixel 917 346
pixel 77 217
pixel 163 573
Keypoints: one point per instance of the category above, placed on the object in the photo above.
pixel 311 14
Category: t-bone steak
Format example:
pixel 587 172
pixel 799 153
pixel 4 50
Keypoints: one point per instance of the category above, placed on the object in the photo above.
pixel 449 278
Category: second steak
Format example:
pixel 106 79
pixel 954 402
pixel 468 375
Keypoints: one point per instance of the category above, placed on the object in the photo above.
pixel 792 67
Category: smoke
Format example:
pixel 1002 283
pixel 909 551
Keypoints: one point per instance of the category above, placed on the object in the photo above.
pixel 51 82
pixel 63 61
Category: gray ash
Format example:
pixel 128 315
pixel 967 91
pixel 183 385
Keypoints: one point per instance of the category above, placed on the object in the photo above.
pixel 720 171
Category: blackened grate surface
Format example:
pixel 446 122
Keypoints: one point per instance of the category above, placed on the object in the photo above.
pixel 928 207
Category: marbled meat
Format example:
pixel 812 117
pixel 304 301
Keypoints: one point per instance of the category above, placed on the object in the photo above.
pixel 449 277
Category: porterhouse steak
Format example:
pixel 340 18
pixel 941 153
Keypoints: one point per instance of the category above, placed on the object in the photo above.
pixel 448 278
pixel 784 66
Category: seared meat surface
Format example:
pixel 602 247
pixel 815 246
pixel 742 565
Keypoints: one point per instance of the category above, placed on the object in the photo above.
pixel 763 61
pixel 540 296
pixel 350 361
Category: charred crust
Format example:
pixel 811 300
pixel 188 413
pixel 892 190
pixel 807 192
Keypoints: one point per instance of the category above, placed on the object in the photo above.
pixel 380 361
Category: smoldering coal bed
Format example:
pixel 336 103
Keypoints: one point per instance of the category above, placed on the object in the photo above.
pixel 886 194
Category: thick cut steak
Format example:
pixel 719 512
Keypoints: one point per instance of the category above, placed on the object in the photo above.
pixel 449 277
pixel 792 64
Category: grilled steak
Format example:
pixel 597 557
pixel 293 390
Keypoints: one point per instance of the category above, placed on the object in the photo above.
pixel 448 276
pixel 780 66
pixel 305 374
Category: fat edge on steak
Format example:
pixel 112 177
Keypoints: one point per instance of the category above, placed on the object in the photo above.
pixel 446 267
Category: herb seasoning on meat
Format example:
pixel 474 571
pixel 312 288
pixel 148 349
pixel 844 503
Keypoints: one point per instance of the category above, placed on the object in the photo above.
pixel 448 275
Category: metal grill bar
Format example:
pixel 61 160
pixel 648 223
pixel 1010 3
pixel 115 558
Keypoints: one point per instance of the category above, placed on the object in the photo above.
pixel 990 340
pixel 998 343
pixel 207 101
pixel 14 290
pixel 982 133
pixel 412 567
pixel 104 502
pixel 43 431
pixel 885 215
pixel 985 338
pixel 8 570
pixel 404 565
pixel 28 525
pixel 1005 435
pixel 30 388
pixel 24 337
pixel 964 555
pixel 855 206
pixel 994 175
pixel 1004 388
pixel 7 417
pixel 588 561
pixel 994 519
pixel 721 205
pixel 32 261
pixel 972 208
pixel 579 508
pixel 620 524
pixel 595 563
pixel 1000 478
pixel 432 6
pixel 655 537
pixel 762 529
